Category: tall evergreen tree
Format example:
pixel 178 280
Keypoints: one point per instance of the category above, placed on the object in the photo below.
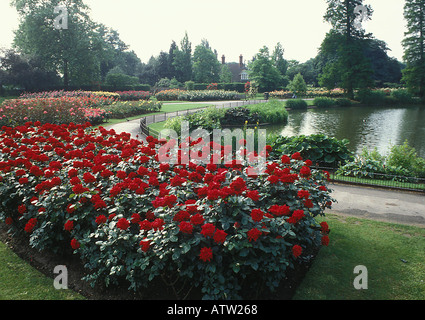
pixel 280 63
pixel 414 46
pixel 349 68
pixel 183 60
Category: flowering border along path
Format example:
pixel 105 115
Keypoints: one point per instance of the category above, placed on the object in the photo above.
pixel 109 200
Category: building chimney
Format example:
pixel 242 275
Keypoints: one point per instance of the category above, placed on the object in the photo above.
pixel 241 61
pixel 223 59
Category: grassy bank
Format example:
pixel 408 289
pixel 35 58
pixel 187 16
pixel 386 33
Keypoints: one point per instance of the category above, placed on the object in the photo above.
pixel 20 281
pixel 393 255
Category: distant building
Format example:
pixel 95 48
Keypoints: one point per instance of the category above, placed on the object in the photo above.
pixel 238 70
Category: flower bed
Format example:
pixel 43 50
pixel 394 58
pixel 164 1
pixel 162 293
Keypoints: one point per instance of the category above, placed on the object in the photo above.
pixel 108 199
pixel 121 110
pixel 54 110
pixel 134 95
pixel 197 95
pixel 209 95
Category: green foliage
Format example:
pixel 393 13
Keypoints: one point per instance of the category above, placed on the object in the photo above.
pixel 347 66
pixel 369 97
pixel 406 157
pixel 414 47
pixel 401 164
pixel 189 85
pixel 403 96
pixel 208 119
pixel 240 116
pixel 320 149
pixel 263 71
pixel 117 80
pixel 343 102
pixel 298 85
pixel 74 52
pixel 121 110
pixel 296 104
pixel 323 102
pixel 271 112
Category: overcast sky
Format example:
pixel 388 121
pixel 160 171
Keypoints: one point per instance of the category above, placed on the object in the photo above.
pixel 232 27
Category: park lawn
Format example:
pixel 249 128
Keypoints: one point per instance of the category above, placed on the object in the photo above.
pixel 20 281
pixel 393 254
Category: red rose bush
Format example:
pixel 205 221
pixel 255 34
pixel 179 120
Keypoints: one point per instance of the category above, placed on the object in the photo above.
pixel 108 199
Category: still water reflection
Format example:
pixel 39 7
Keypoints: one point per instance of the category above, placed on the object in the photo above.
pixel 370 127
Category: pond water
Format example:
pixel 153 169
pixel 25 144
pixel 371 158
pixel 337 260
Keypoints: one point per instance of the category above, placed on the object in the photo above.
pixel 370 127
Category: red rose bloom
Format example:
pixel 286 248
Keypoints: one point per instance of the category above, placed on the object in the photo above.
pixel 186 227
pixel 297 215
pixel 253 234
pixel 325 240
pixel 206 254
pixel 280 210
pixel 297 251
pixel 296 156
pixel 257 215
pixel 197 219
pixel 285 159
pixel 220 236
pixel 23 180
pixel 273 179
pixel 89 178
pixel 303 194
pixel 75 244
pixel 101 219
pixel 158 224
pixel 253 195
pixel 69 225
pixel 135 218
pixel 145 244
pixel 22 209
pixel 123 224
pixel 305 172
pixel 30 225
pixel 324 227
pixel 208 230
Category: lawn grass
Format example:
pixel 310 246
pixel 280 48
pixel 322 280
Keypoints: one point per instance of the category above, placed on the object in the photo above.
pixel 394 256
pixel 20 281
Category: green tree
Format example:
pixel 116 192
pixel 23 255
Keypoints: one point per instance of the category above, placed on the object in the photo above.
pixel 206 68
pixel 225 74
pixel 414 46
pixel 348 66
pixel 183 60
pixel 280 63
pixel 74 51
pixel 263 71
pixel 298 85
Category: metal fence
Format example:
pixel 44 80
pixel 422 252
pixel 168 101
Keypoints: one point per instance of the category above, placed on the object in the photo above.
pixel 379 180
